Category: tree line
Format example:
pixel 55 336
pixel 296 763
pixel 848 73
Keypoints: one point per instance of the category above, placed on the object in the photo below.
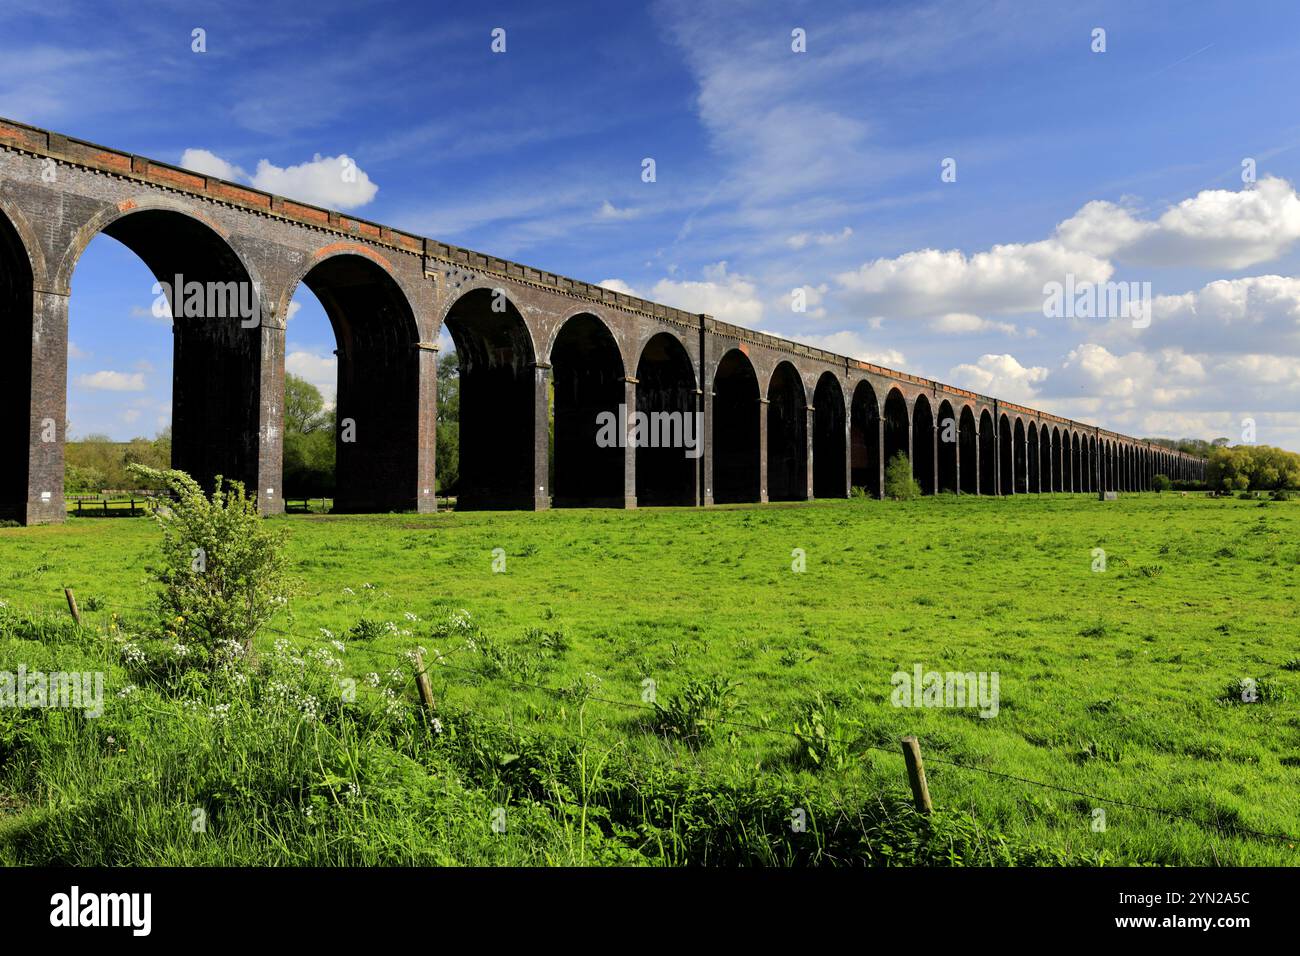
pixel 97 463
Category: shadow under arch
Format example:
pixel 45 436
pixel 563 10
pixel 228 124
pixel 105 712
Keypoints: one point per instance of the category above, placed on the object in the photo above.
pixel 501 402
pixel 898 427
pixel 948 438
pixel 588 375
pixel 17 282
pixel 988 454
pixel 787 436
pixel 666 394
pixel 377 405
pixel 737 459
pixel 865 439
pixel 970 459
pixel 923 445
pixel 830 436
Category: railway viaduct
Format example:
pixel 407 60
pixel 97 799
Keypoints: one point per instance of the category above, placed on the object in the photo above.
pixel 781 420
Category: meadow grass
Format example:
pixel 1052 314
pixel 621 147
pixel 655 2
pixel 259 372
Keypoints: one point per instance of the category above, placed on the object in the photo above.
pixel 1114 683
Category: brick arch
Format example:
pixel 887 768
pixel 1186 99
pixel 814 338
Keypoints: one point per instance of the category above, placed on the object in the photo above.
pixel 666 394
pixel 502 400
pixel 383 462
pixel 588 375
pixel 627 360
pixel 923 442
pixel 482 289
pixel 896 421
pixel 103 221
pixel 225 403
pixel 29 241
pixel 335 250
pixel 649 333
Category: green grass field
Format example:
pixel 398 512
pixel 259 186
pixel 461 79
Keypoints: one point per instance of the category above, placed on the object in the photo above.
pixel 1113 683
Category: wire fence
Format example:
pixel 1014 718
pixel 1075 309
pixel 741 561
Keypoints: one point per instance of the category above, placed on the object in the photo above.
pixel 442 661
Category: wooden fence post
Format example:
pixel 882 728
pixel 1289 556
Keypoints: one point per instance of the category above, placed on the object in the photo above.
pixel 422 681
pixel 916 774
pixel 72 605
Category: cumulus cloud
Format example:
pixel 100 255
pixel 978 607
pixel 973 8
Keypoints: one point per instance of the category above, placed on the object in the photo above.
pixel 210 164
pixel 853 345
pixel 1216 228
pixel 1172 392
pixel 74 352
pixel 1252 313
pixel 110 381
pixel 321 370
pixel 618 285
pixel 724 295
pixel 1222 228
pixel 1002 376
pixel 932 282
pixel 333 181
pixel 1125 380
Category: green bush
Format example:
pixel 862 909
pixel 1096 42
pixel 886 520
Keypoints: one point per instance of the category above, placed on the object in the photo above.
pixel 1162 483
pixel 223 570
pixel 899 483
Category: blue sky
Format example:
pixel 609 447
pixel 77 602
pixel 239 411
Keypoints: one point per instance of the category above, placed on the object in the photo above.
pixel 775 170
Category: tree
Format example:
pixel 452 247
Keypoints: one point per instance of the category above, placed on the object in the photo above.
pixel 309 450
pixel 447 453
pixel 1252 467
pixel 304 407
pixel 899 482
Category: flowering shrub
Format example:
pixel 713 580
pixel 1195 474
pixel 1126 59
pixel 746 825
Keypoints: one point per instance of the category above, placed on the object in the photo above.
pixel 223 570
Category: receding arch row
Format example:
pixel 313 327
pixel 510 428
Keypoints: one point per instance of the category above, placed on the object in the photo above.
pixel 789 427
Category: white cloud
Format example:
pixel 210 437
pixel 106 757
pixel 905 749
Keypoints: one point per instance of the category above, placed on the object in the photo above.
pixel 609 211
pixel 964 323
pixel 801 239
pixel 1248 314
pixel 931 282
pixel 1001 376
pixel 210 164
pixel 1216 228
pixel 110 381
pixel 1173 393
pixel 131 415
pixel 721 294
pixel 1222 228
pixel 320 370
pixel 618 285
pixel 294 306
pixel 333 181
pixel 853 345
pixel 76 353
